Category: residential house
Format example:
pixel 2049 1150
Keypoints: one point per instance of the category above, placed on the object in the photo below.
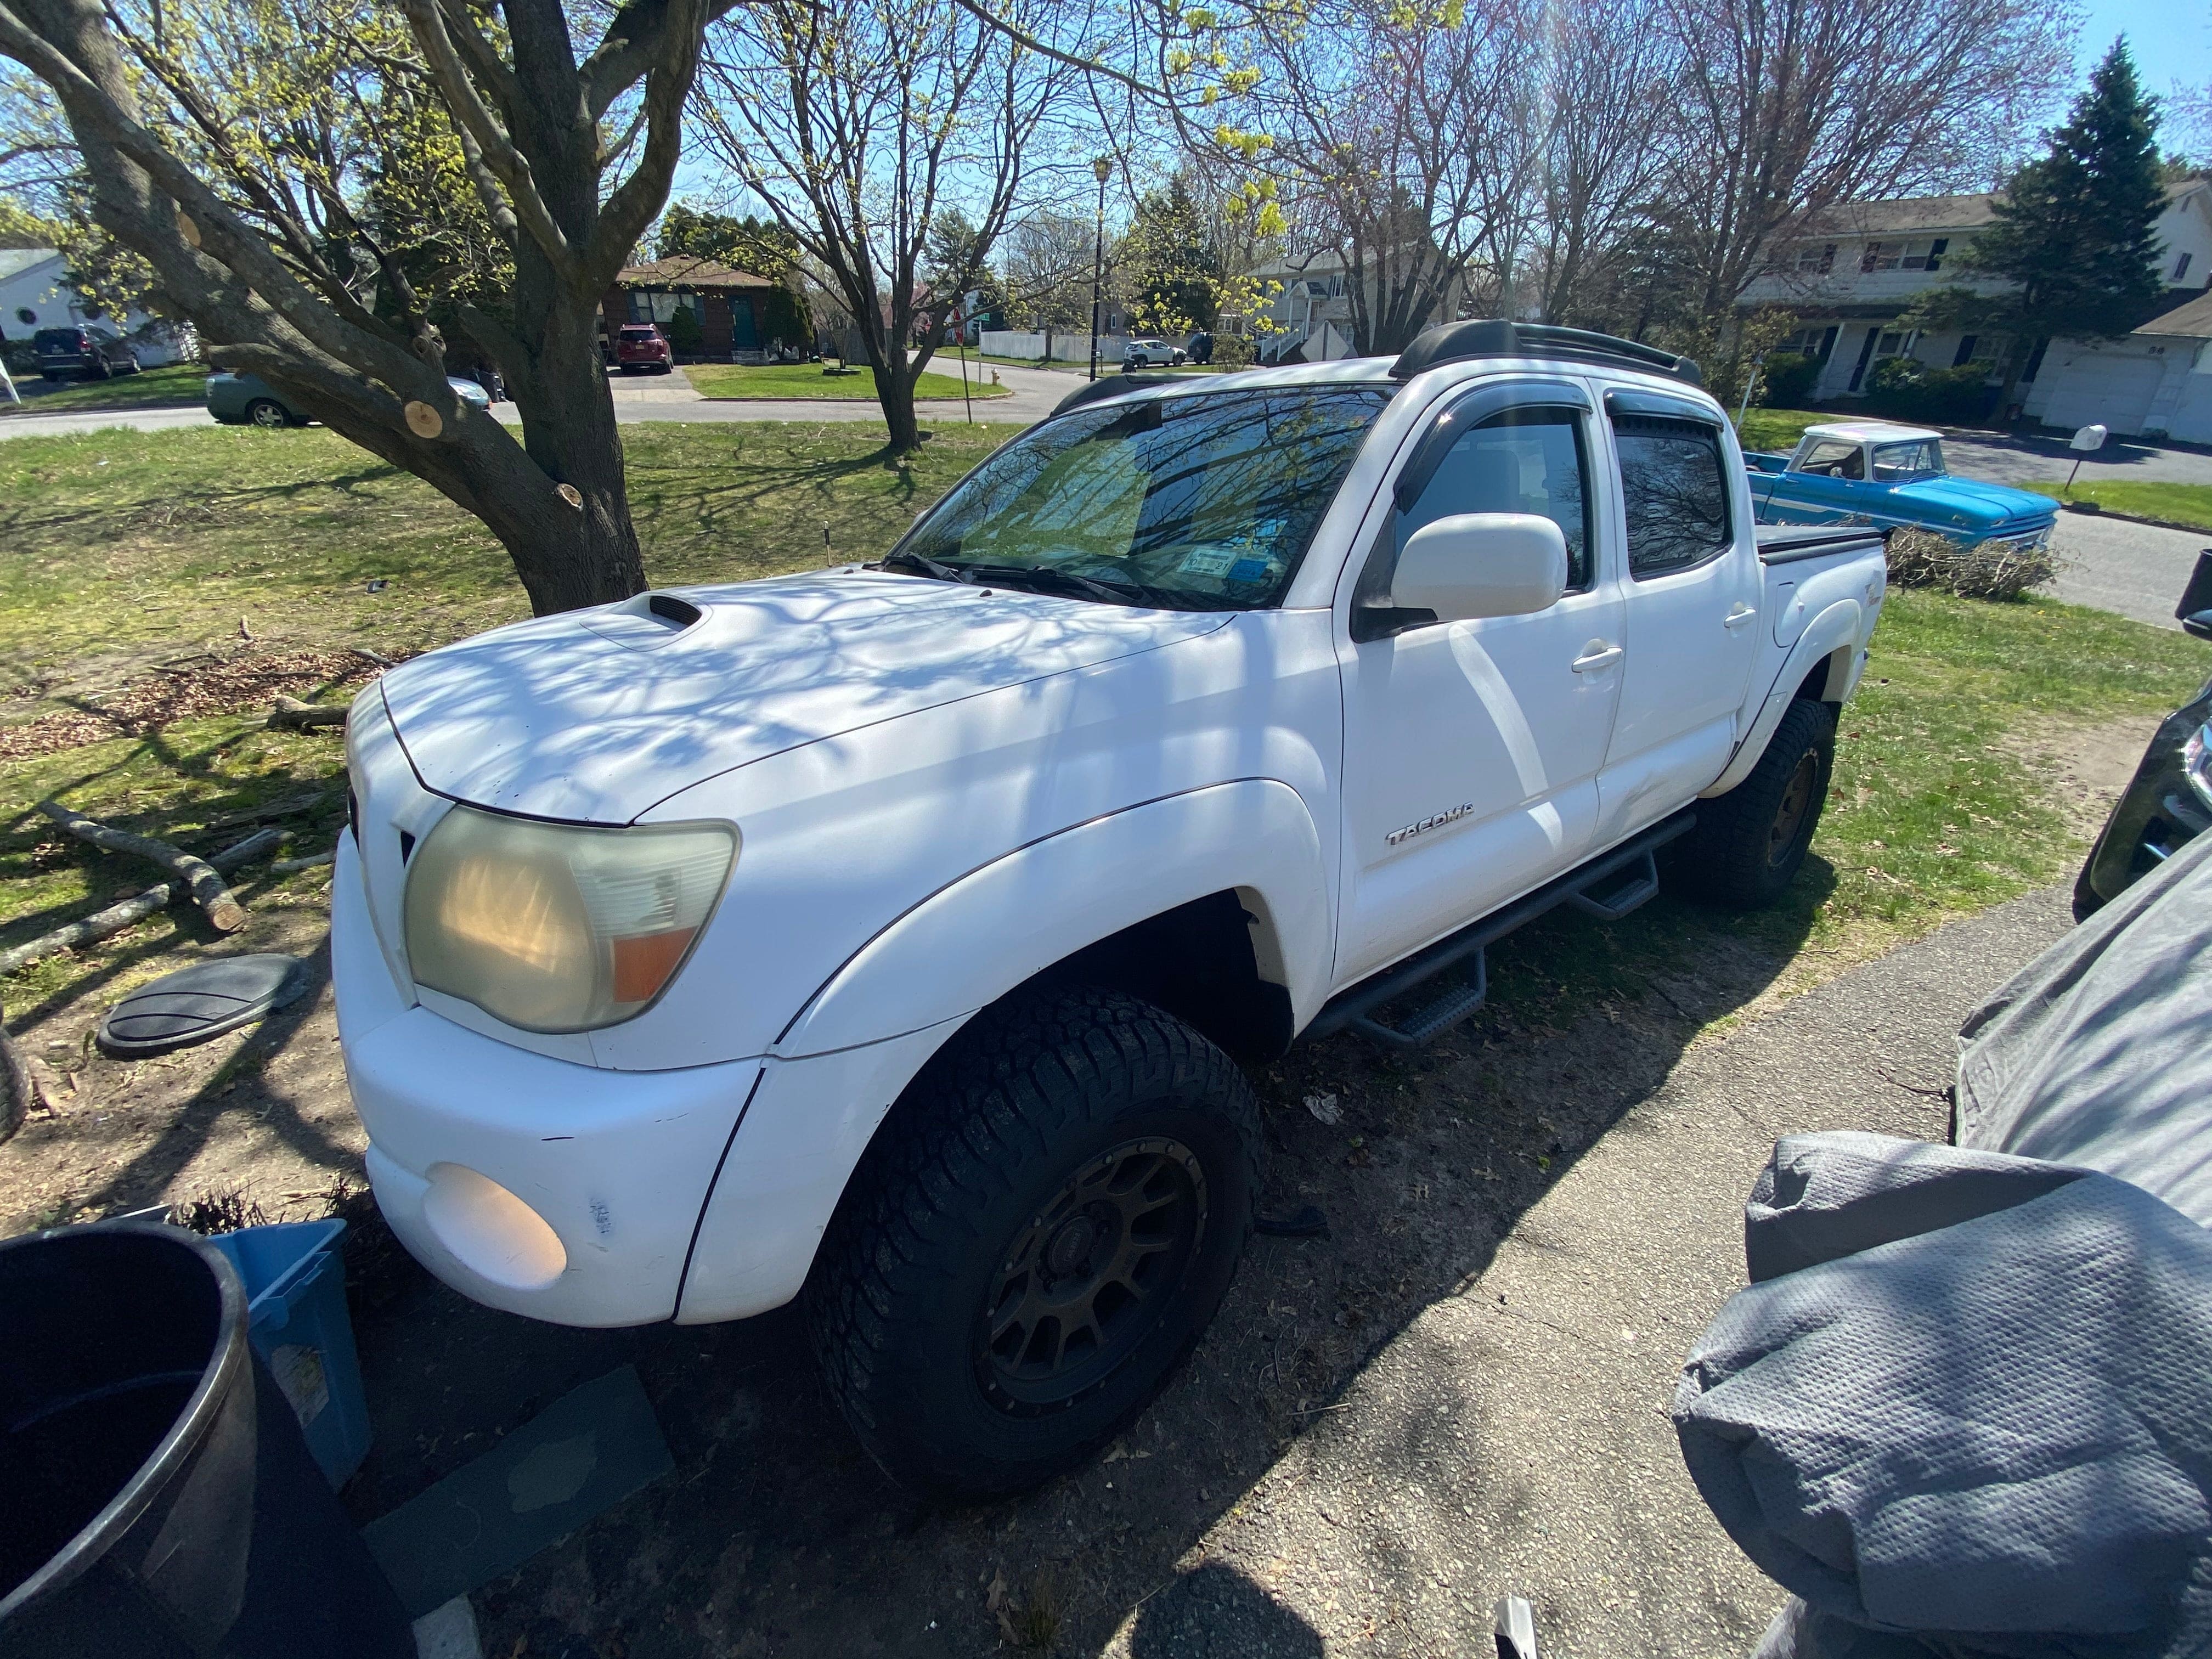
pixel 35 294
pixel 1848 273
pixel 731 307
pixel 1307 305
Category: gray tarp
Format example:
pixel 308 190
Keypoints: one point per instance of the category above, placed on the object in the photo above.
pixel 1991 1417
pixel 2099 1051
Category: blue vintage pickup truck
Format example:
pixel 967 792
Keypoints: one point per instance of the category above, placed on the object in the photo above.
pixel 1871 472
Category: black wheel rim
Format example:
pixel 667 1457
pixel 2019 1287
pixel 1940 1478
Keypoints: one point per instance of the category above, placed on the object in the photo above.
pixel 1085 1281
pixel 1796 806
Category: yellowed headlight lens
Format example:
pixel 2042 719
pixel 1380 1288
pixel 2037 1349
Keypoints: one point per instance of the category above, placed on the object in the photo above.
pixel 559 928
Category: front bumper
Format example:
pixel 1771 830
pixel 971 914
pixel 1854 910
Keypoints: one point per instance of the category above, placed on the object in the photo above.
pixel 617 1164
pixel 2160 812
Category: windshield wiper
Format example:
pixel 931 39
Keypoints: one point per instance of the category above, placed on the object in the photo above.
pixel 1104 588
pixel 901 560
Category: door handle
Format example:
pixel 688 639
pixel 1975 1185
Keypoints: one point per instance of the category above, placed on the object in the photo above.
pixel 1596 655
pixel 1737 617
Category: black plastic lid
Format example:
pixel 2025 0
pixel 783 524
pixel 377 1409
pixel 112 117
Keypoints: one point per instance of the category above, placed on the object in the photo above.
pixel 197 1003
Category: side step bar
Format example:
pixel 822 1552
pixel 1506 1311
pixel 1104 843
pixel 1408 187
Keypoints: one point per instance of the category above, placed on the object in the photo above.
pixel 1608 888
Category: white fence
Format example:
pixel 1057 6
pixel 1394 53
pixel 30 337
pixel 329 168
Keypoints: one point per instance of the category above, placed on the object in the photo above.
pixel 1066 348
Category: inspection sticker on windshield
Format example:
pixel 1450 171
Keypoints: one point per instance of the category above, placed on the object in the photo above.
pixel 1250 570
pixel 1209 561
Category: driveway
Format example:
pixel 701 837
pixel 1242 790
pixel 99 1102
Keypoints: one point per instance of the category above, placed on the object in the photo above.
pixel 2038 458
pixel 1036 392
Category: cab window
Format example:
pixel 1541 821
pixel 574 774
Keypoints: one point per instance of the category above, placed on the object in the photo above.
pixel 1922 457
pixel 1836 458
pixel 1673 489
pixel 1523 460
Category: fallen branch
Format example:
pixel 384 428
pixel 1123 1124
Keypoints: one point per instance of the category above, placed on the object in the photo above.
pixel 224 912
pixel 292 714
pixel 368 655
pixel 101 924
pixel 293 866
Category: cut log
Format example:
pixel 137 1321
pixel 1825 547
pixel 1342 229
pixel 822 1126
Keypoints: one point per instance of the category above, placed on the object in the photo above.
pixel 291 715
pixel 223 911
pixel 293 866
pixel 101 924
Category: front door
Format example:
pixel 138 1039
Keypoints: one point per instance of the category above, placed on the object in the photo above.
pixel 1472 749
pixel 1693 630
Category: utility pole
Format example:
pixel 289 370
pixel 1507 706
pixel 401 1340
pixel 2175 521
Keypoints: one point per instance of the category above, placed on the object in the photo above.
pixel 1103 169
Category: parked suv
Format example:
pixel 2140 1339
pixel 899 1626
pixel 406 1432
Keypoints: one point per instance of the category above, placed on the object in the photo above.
pixel 890 936
pixel 640 347
pixel 83 353
pixel 1151 354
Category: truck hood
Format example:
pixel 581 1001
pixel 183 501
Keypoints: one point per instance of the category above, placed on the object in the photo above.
pixel 1970 502
pixel 595 716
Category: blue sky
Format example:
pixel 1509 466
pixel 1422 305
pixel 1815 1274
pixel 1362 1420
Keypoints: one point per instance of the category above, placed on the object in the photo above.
pixel 2171 40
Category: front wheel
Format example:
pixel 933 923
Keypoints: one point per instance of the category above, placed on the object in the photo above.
pixel 1749 843
pixel 267 413
pixel 1035 1240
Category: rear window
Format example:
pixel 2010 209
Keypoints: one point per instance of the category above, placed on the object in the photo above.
pixel 70 337
pixel 638 331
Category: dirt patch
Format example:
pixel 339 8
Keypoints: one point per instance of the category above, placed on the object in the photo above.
pixel 2086 763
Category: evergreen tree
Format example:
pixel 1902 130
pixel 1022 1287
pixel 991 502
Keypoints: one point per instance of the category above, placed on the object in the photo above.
pixel 2073 231
pixel 1172 273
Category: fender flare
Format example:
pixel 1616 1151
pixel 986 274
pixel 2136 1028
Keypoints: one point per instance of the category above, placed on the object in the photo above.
pixel 1835 629
pixel 1040 903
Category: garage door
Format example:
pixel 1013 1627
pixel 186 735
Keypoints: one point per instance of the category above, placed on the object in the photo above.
pixel 2104 388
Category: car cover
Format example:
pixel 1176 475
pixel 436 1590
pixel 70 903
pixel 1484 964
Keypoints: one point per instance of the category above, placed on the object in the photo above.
pixel 2100 1052
pixel 1969 1396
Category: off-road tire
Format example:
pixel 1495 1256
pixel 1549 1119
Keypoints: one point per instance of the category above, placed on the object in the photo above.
pixel 992 1143
pixel 1748 843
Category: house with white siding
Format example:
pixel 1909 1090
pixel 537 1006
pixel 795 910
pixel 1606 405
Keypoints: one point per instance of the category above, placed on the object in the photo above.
pixel 1850 272
pixel 35 294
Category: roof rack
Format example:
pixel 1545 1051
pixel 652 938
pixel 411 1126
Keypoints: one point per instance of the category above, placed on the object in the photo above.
pixel 1111 386
pixel 1495 337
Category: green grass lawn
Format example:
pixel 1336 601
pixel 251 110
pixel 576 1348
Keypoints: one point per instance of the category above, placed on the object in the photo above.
pixel 741 380
pixel 1778 429
pixel 2175 503
pixel 120 549
pixel 149 388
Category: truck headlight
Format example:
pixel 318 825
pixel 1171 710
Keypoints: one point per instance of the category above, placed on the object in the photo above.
pixel 2197 761
pixel 558 928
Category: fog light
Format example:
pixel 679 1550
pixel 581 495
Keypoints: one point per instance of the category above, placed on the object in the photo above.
pixel 491 1231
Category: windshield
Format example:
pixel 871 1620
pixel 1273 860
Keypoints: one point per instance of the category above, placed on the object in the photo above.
pixel 1922 457
pixel 1202 502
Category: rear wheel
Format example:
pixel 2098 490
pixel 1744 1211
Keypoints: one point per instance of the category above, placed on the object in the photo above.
pixel 1035 1241
pixel 1750 843
pixel 268 414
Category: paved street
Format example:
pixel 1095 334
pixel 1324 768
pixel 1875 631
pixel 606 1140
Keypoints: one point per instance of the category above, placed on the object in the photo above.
pixel 1036 391
pixel 2045 459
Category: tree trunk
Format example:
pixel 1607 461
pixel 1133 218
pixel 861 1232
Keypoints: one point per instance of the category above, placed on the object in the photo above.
pixel 894 392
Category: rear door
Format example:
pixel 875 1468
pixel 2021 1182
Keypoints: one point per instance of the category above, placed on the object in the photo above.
pixel 1472 749
pixel 1693 594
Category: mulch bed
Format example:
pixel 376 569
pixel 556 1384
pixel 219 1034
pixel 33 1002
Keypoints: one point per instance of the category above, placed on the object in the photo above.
pixel 185 689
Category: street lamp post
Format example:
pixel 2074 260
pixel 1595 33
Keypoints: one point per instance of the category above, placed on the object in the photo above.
pixel 1103 168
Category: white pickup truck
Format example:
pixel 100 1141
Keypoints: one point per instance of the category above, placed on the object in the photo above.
pixel 884 934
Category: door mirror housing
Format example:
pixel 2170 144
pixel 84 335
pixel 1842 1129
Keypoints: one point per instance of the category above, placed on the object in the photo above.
pixel 1481 564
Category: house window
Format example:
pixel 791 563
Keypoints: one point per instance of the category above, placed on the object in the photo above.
pixel 1816 258
pixel 1883 256
pixel 658 305
pixel 2181 268
pixel 1922 256
pixel 27 317
pixel 1809 342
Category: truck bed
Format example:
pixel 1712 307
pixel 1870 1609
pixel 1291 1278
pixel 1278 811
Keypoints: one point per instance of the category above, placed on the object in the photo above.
pixel 1781 544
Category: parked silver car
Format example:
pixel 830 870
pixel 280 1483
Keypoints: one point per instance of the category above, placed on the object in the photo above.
pixel 1152 354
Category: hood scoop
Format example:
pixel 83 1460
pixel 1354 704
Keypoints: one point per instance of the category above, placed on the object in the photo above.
pixel 595 716
pixel 645 622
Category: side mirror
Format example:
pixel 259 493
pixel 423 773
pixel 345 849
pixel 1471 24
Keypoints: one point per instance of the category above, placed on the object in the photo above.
pixel 1481 564
pixel 2199 624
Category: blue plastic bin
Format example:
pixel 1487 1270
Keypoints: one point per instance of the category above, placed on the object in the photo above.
pixel 297 1322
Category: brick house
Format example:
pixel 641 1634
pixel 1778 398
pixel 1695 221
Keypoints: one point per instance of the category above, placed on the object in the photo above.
pixel 730 306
